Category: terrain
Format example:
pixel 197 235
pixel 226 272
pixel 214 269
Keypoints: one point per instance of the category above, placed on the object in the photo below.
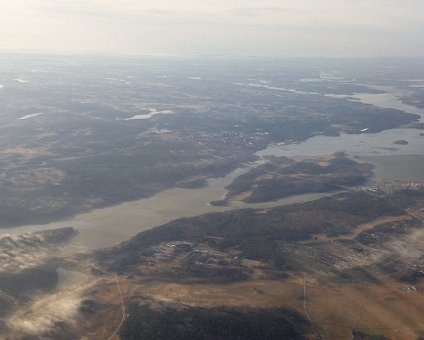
pixel 280 177
pixel 344 266
pixel 84 134
pixel 341 263
pixel 77 135
pixel 28 266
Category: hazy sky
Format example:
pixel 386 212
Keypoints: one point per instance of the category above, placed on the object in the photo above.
pixel 288 27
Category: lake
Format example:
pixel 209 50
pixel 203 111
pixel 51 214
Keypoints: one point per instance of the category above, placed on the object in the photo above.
pixel 107 226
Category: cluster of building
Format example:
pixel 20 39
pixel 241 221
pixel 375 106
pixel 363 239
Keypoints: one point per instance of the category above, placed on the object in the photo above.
pixel 337 254
pixel 199 253
pixel 393 186
pixel 32 177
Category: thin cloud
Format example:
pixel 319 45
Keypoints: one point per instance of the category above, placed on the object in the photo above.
pixel 344 27
pixel 264 10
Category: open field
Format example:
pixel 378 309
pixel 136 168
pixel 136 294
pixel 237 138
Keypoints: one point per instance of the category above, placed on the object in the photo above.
pixel 349 284
pixel 334 308
pixel 211 199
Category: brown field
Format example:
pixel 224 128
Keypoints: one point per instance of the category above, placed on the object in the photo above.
pixel 385 219
pixel 367 226
pixel 335 308
pixel 27 152
pixel 242 196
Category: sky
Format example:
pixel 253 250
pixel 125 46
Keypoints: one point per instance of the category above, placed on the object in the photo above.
pixel 295 28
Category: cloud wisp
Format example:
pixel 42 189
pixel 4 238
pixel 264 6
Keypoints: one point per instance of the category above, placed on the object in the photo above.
pixel 345 28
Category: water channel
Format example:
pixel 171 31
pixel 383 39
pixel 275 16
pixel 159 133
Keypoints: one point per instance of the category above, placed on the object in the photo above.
pixel 107 226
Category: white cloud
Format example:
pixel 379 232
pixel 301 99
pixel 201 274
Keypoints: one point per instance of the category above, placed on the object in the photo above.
pixel 301 27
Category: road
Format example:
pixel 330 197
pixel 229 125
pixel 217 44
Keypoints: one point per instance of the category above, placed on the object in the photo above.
pixel 124 311
pixel 358 319
pixel 305 307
